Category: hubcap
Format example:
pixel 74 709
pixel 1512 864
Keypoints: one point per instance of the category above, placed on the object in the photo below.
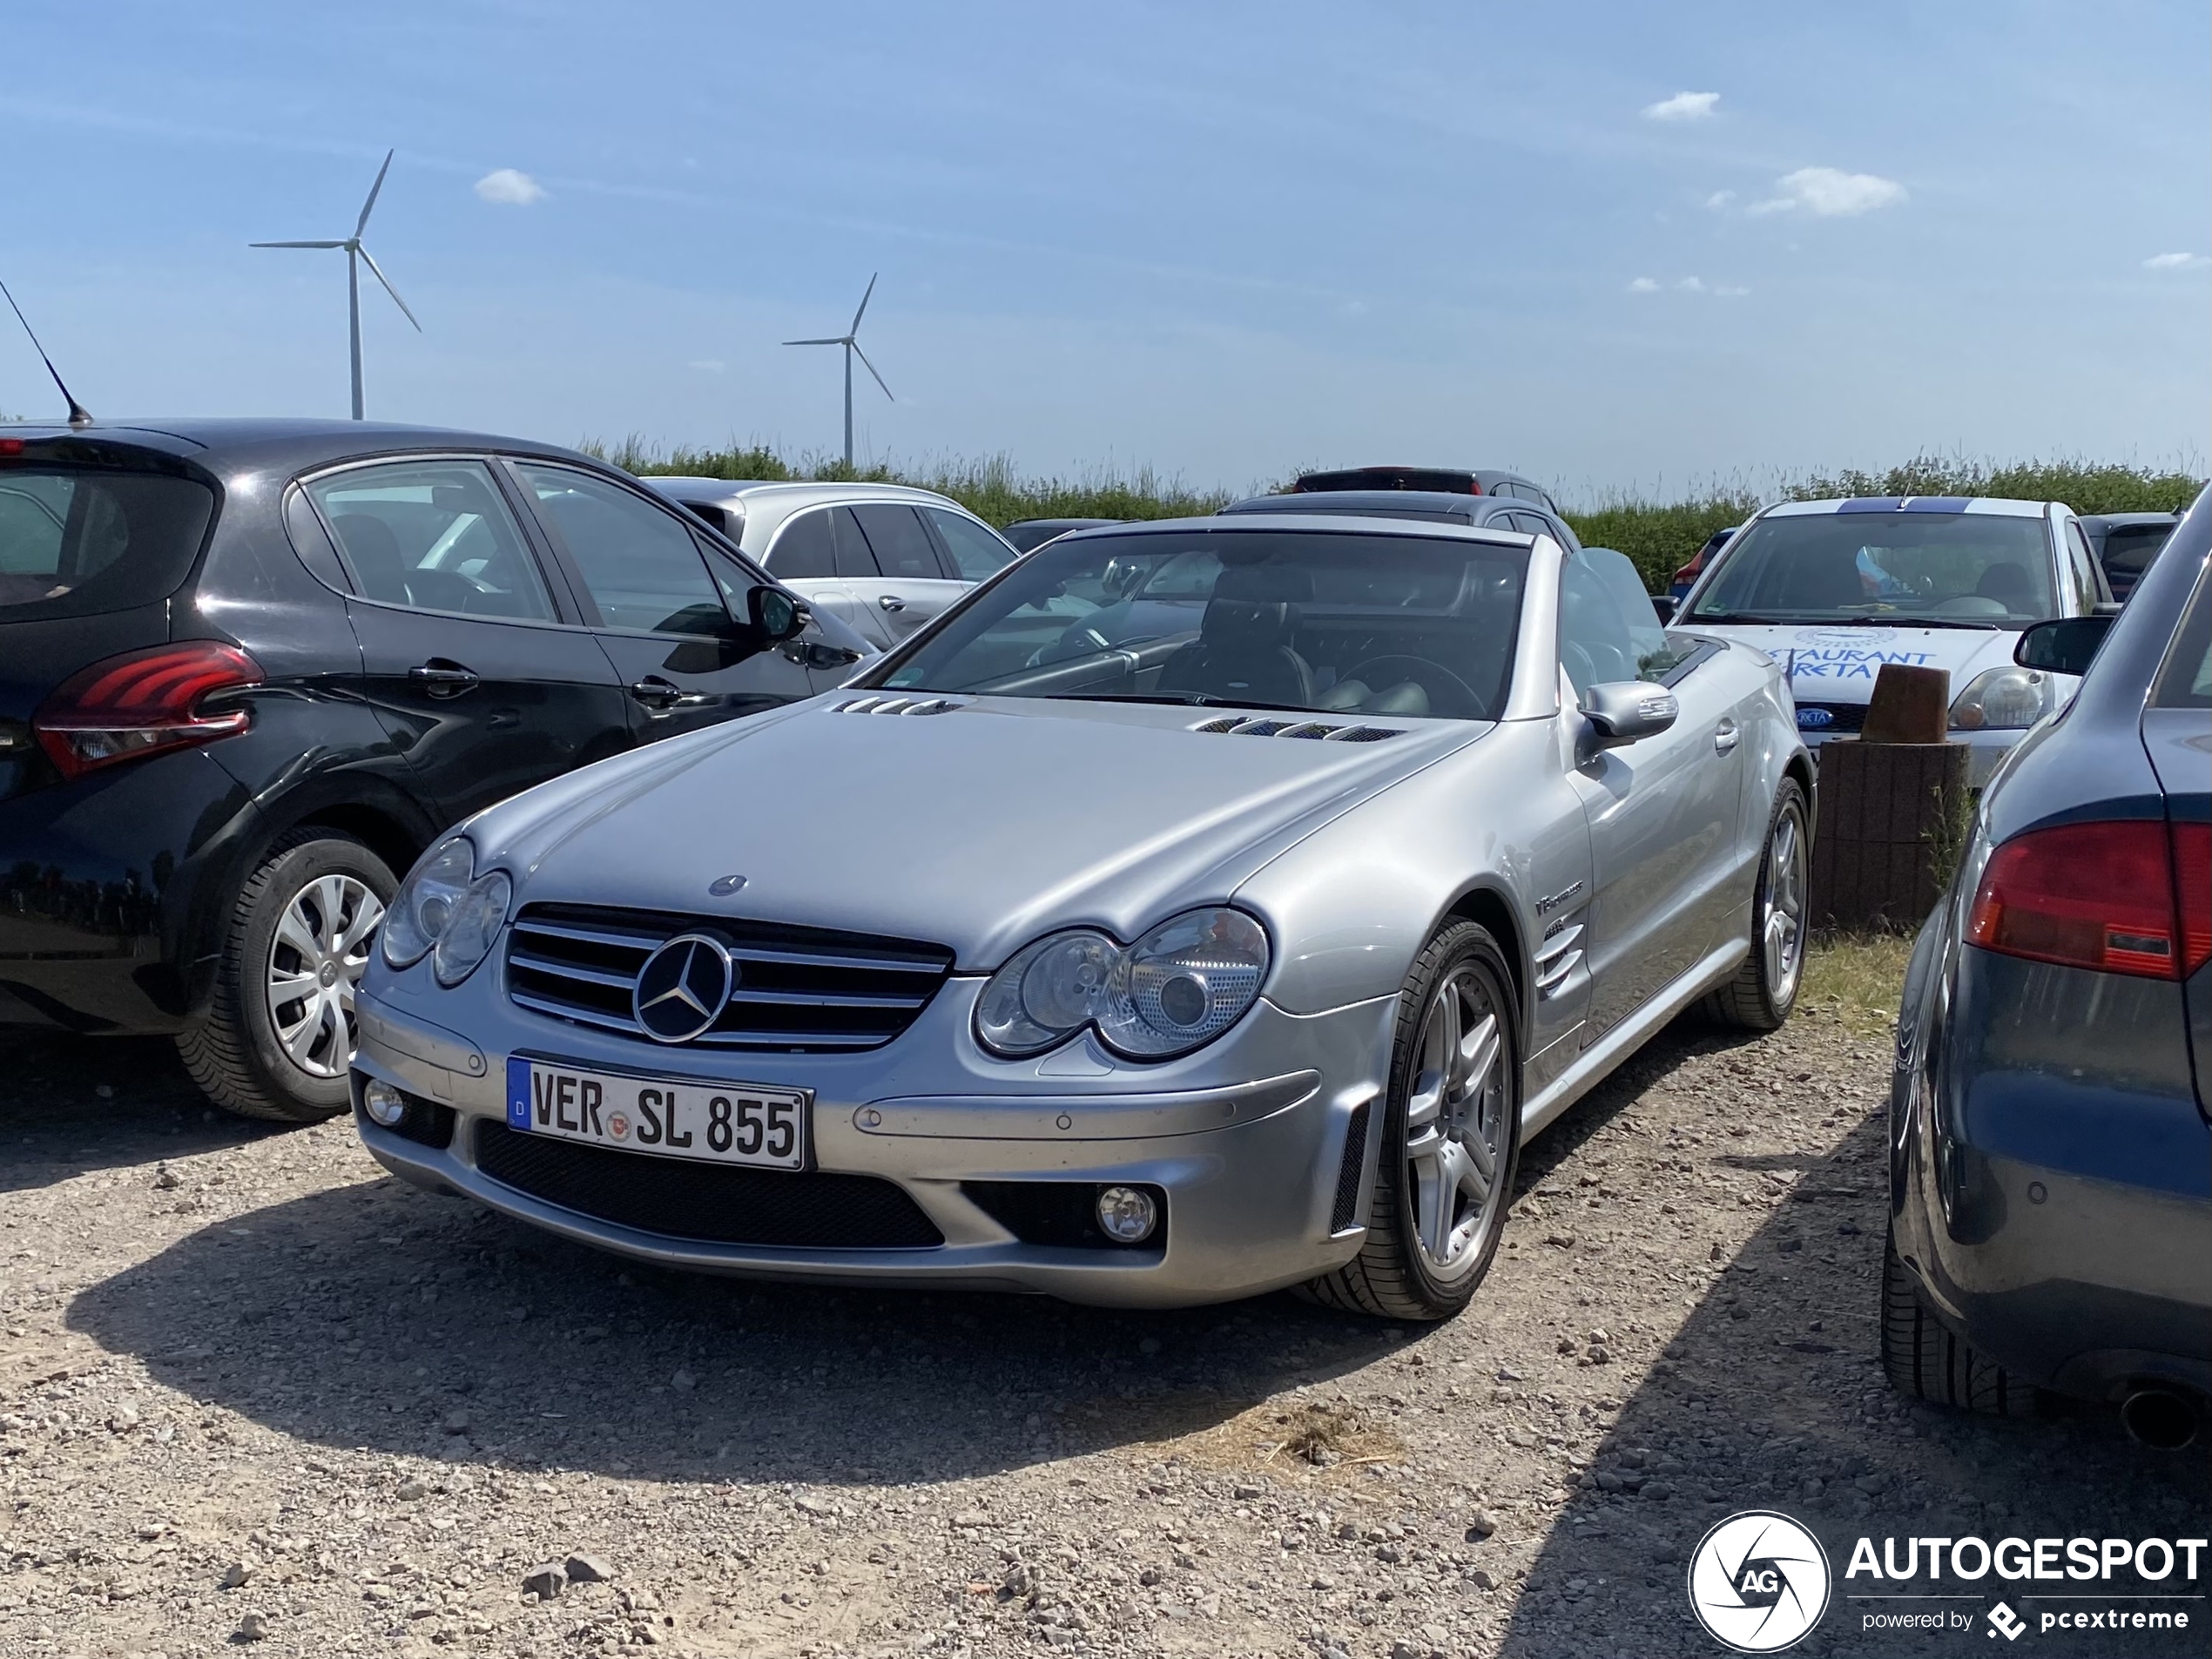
pixel 316 961
pixel 1455 1124
pixel 1781 916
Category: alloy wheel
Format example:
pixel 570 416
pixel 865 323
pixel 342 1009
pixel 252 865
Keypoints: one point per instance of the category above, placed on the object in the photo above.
pixel 316 960
pixel 1456 1126
pixel 1782 914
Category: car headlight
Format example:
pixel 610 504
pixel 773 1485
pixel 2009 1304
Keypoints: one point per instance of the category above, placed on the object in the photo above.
pixel 1179 987
pixel 444 907
pixel 2003 699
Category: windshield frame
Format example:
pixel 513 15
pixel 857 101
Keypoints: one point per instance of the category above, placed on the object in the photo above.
pixel 1537 592
pixel 1874 612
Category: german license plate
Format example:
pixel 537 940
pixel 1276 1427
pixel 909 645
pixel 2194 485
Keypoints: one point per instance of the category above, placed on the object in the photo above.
pixel 680 1117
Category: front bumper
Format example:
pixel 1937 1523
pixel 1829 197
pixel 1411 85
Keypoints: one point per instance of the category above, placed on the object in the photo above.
pixel 1246 1139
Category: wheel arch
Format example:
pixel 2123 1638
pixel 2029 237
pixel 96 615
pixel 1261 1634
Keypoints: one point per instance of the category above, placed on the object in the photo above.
pixel 1492 906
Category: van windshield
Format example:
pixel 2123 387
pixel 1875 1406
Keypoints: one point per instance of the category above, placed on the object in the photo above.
pixel 77 542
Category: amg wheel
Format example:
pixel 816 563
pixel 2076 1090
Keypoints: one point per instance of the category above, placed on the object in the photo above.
pixel 1450 1138
pixel 279 1034
pixel 1764 989
pixel 1923 1358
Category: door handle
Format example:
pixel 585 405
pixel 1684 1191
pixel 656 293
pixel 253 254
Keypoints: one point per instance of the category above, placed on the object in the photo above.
pixel 1726 736
pixel 655 694
pixel 442 676
pixel 891 602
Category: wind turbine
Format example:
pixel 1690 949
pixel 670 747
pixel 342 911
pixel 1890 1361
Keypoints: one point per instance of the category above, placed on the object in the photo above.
pixel 356 256
pixel 850 341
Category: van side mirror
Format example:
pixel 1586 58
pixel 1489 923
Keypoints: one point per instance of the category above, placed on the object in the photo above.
pixel 776 614
pixel 2065 646
pixel 1625 711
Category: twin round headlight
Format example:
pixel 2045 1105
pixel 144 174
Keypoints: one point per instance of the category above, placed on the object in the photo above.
pixel 1181 985
pixel 446 912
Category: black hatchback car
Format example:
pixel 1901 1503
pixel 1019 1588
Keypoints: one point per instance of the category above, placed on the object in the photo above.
pixel 250 670
pixel 2051 1110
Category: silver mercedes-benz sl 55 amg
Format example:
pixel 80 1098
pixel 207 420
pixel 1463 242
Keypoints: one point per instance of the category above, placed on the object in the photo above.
pixel 1196 908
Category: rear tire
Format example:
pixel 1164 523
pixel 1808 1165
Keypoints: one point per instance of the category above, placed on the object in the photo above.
pixel 1436 1211
pixel 1925 1359
pixel 1764 989
pixel 278 1036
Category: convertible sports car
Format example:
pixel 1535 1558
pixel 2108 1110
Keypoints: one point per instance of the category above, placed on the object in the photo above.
pixel 1196 908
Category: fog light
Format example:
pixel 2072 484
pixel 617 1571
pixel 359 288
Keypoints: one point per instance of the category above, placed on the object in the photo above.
pixel 383 1103
pixel 1126 1214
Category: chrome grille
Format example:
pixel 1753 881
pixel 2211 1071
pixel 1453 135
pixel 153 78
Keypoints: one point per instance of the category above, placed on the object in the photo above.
pixel 900 705
pixel 1322 731
pixel 798 989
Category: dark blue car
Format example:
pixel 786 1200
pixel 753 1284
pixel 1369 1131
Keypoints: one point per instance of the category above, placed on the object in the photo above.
pixel 2050 1152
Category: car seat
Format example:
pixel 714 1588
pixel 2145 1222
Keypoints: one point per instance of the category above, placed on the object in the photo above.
pixel 1244 648
pixel 373 552
pixel 2007 583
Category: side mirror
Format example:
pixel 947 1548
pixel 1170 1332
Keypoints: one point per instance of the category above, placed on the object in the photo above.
pixel 776 614
pixel 1662 607
pixel 2067 646
pixel 1625 711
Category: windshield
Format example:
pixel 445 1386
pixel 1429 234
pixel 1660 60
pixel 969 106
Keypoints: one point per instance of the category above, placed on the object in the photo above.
pixel 75 541
pixel 1961 569
pixel 1270 619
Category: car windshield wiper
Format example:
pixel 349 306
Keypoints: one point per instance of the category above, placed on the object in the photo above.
pixel 1739 617
pixel 1887 620
pixel 1895 620
pixel 1186 700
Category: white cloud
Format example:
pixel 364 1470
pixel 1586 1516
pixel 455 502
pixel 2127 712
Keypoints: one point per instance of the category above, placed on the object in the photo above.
pixel 2174 261
pixel 1720 199
pixel 1682 106
pixel 1644 284
pixel 510 188
pixel 1691 284
pixel 1829 193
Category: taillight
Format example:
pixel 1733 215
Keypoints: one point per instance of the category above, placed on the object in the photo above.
pixel 143 702
pixel 1688 574
pixel 2100 896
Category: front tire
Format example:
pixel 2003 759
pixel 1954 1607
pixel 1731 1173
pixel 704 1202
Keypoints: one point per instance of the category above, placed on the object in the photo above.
pixel 1451 1140
pixel 278 1036
pixel 1764 989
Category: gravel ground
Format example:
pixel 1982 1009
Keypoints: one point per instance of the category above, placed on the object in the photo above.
pixel 254 1394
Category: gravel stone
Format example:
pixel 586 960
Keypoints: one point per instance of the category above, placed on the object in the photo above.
pixel 544 1581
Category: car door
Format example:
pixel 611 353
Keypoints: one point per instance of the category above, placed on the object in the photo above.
pixel 1663 812
pixel 659 613
pixel 802 556
pixel 476 664
pixel 912 586
pixel 972 551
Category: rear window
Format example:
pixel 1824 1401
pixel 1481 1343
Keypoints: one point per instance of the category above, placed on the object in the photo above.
pixel 1885 567
pixel 2129 549
pixel 76 542
pixel 2186 681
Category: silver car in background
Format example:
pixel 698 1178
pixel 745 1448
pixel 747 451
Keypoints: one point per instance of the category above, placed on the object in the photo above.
pixel 883 559
pixel 1201 907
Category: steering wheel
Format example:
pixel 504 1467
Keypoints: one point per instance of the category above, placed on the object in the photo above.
pixel 1449 695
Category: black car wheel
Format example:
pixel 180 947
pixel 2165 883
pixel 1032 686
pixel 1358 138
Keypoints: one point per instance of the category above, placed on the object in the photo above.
pixel 279 1034
pixel 1450 1138
pixel 1763 991
pixel 1925 1359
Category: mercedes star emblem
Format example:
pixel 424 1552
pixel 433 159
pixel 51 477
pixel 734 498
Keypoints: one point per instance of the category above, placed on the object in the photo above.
pixel 682 987
pixel 723 886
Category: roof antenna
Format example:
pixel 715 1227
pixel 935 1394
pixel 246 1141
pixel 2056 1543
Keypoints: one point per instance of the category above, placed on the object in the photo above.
pixel 78 415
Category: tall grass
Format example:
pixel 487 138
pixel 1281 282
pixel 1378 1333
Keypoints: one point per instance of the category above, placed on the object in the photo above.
pixel 1658 535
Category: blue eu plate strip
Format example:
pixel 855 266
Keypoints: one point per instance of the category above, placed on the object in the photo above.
pixel 518 1092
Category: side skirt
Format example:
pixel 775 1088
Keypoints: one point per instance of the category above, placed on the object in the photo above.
pixel 1538 1114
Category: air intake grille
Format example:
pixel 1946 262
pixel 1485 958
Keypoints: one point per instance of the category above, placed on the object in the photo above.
pixel 1349 1173
pixel 1321 731
pixel 900 705
pixel 1831 717
pixel 798 989
pixel 712 1203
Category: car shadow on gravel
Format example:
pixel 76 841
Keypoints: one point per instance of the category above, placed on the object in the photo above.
pixel 1772 1397
pixel 375 1316
pixel 69 1105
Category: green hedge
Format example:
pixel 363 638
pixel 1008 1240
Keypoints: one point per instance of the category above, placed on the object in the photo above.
pixel 1659 535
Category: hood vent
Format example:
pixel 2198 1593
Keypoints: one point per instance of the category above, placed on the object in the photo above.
pixel 1320 730
pixel 899 705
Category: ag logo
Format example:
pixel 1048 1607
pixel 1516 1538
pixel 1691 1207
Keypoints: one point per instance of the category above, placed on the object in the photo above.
pixel 1758 1582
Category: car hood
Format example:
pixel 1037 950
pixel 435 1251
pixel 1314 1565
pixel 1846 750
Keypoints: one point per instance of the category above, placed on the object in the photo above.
pixel 977 828
pixel 1827 663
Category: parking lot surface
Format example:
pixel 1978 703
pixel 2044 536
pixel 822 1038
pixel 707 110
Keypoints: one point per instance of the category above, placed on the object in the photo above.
pixel 255 1395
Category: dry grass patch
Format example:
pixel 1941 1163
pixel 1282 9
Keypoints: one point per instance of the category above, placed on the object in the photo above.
pixel 1858 978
